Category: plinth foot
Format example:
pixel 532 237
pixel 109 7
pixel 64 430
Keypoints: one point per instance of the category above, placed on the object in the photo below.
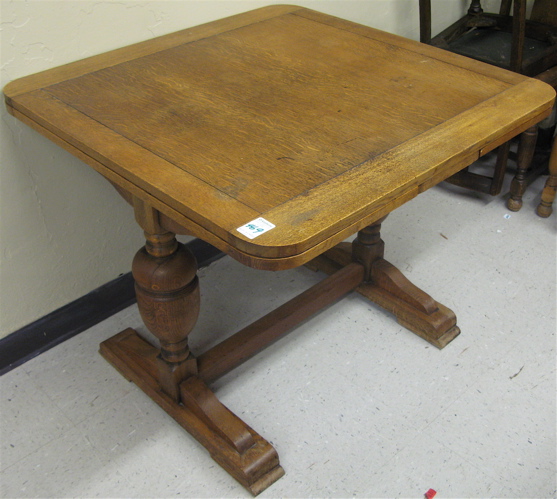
pixel 391 290
pixel 242 452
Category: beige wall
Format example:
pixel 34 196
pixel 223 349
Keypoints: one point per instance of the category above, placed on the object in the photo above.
pixel 63 230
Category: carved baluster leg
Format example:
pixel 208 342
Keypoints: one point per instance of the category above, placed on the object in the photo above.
pixel 167 291
pixel 526 148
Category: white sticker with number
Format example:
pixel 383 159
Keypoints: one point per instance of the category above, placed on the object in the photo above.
pixel 255 228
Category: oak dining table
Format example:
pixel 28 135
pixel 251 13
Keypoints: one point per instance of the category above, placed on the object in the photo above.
pixel 273 135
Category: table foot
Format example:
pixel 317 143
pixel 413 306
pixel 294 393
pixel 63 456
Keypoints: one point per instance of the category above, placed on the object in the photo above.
pixel 414 309
pixel 242 452
pixel 391 290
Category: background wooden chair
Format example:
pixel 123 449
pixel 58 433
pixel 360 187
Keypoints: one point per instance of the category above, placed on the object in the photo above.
pixel 548 195
pixel 509 40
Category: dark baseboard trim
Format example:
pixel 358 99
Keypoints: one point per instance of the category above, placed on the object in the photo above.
pixel 81 314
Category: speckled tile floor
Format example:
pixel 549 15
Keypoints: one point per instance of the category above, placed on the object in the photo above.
pixel 355 405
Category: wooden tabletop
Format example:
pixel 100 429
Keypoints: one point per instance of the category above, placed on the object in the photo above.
pixel 317 125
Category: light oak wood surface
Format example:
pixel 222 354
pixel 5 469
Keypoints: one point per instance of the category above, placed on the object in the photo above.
pixel 316 124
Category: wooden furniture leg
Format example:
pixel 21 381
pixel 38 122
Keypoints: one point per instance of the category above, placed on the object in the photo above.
pixel 526 148
pixel 545 208
pixel 168 299
pixel 167 290
pixel 386 286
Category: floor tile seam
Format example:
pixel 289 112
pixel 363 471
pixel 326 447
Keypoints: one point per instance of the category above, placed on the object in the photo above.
pixel 328 398
pixel 518 343
pixel 85 428
pixel 94 412
pixel 71 427
pixel 481 374
pixel 25 456
pixel 104 458
pixel 524 278
pixel 399 451
pixel 79 438
pixel 478 376
pixel 38 449
pixel 520 276
pixel 500 480
pixel 425 428
pixel 90 412
pixel 501 357
pixel 430 432
pixel 101 453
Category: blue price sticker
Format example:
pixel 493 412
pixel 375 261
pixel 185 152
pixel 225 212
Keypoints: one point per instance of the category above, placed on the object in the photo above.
pixel 255 228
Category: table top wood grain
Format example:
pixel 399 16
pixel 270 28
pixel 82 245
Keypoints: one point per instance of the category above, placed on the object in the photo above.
pixel 318 125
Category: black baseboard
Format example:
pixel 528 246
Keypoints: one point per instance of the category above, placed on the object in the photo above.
pixel 81 314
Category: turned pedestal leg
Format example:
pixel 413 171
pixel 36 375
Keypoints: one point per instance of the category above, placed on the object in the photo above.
pixel 526 148
pixel 167 292
pixel 385 285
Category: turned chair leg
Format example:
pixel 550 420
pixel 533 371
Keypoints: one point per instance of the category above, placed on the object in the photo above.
pixel 526 148
pixel 475 7
pixel 545 208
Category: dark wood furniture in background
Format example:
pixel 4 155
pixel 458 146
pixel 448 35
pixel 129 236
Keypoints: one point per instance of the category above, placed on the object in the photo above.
pixel 273 135
pixel 526 46
pixel 545 208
